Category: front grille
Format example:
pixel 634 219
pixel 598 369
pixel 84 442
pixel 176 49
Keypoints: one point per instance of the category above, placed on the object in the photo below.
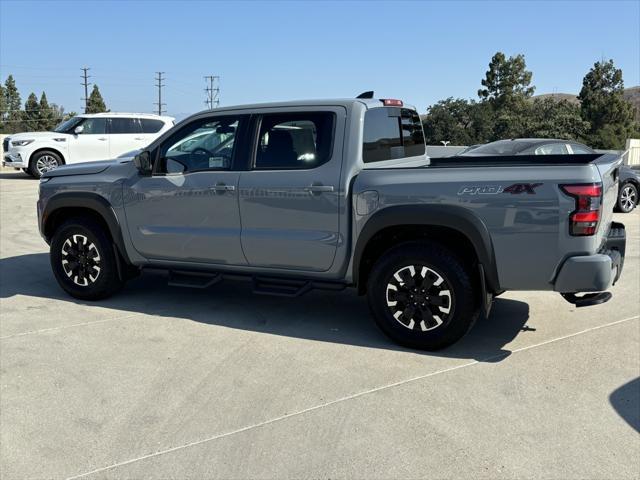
pixel 5 145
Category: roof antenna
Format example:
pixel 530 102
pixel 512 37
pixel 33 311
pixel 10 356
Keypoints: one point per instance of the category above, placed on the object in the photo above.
pixel 368 94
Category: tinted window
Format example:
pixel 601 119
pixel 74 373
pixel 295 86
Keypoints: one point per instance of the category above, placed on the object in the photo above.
pixel 151 126
pixel 125 125
pixel 552 149
pixel 94 126
pixel 203 145
pixel 501 147
pixel 294 141
pixel 580 149
pixel 392 133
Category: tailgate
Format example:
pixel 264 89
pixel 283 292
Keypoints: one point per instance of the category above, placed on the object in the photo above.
pixel 607 166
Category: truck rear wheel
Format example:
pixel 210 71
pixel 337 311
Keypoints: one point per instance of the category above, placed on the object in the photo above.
pixel 422 296
pixel 83 260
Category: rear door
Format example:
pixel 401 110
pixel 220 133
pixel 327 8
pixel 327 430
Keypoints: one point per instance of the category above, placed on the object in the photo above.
pixel 289 197
pixel 125 135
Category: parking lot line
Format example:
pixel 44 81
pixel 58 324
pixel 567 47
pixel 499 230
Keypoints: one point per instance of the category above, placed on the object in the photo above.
pixel 488 359
pixel 32 332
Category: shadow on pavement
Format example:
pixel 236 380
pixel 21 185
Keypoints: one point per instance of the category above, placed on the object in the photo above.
pixel 626 402
pixel 341 317
pixel 16 175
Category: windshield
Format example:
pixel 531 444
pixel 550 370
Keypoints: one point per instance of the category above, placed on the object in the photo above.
pixel 67 125
pixel 501 147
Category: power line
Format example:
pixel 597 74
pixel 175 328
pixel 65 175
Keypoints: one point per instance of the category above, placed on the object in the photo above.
pixel 86 84
pixel 212 91
pixel 159 79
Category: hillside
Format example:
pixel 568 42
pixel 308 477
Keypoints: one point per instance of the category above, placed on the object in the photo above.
pixel 631 94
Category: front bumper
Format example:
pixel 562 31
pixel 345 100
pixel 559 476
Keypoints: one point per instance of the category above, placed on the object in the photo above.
pixel 14 160
pixel 595 273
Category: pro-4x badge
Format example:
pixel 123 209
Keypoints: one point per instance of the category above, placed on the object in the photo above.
pixel 522 188
pixel 516 188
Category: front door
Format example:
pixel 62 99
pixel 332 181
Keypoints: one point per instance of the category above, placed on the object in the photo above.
pixel 92 143
pixel 289 198
pixel 188 209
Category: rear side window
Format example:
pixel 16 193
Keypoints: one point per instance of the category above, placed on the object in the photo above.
pixel 151 126
pixel 294 141
pixel 125 125
pixel 391 133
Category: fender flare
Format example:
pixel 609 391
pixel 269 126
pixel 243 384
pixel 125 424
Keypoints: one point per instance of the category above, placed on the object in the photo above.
pixel 450 216
pixel 90 201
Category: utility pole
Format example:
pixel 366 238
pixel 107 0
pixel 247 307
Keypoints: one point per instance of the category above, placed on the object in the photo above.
pixel 159 79
pixel 212 91
pixel 86 84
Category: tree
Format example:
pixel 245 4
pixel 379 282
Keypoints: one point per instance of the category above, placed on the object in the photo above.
pixel 31 114
pixel 96 103
pixel 550 118
pixel 506 81
pixel 3 108
pixel 47 119
pixel 604 107
pixel 457 121
pixel 13 118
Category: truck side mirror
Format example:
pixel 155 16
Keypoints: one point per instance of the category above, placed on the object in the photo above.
pixel 142 161
pixel 78 130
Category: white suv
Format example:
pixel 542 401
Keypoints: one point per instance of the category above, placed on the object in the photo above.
pixel 83 138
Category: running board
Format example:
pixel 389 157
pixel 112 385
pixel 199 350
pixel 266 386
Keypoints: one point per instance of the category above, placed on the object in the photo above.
pixel 588 299
pixel 290 287
pixel 192 279
pixel 283 287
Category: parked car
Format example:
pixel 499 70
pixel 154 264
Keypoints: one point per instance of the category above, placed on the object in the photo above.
pixel 628 190
pixel 82 138
pixel 528 146
pixel 629 184
pixel 334 194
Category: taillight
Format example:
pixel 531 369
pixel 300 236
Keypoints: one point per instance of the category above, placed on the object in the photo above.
pixel 583 221
pixel 391 102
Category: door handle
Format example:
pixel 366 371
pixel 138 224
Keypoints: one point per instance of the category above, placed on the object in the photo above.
pixel 316 188
pixel 102 139
pixel 222 187
pixel 139 138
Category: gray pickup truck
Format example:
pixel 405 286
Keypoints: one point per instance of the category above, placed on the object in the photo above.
pixel 333 194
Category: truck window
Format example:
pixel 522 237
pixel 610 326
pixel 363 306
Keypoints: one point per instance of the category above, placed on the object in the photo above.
pixel 390 133
pixel 206 144
pixel 294 141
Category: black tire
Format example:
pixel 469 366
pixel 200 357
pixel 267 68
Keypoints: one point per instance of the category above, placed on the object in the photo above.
pixel 627 197
pixel 79 239
pixel 426 333
pixel 48 157
pixel 27 171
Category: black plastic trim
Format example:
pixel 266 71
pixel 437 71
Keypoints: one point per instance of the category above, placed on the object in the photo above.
pixel 450 216
pixel 89 201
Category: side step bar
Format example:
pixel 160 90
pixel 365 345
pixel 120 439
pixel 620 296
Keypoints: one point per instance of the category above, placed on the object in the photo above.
pixel 279 286
pixel 588 299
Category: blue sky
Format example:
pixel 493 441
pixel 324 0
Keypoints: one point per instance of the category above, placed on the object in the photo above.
pixel 418 51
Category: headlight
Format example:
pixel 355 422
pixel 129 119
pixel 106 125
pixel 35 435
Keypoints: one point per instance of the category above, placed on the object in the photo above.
pixel 20 143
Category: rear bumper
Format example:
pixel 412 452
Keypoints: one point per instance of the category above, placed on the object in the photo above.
pixel 594 273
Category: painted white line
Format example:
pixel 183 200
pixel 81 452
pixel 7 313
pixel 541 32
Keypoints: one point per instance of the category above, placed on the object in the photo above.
pixel 343 399
pixel 31 332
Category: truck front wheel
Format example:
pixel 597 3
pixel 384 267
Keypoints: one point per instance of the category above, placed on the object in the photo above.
pixel 83 260
pixel 422 296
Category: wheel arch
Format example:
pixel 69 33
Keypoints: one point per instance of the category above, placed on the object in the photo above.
pixel 63 206
pixel 462 231
pixel 48 149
